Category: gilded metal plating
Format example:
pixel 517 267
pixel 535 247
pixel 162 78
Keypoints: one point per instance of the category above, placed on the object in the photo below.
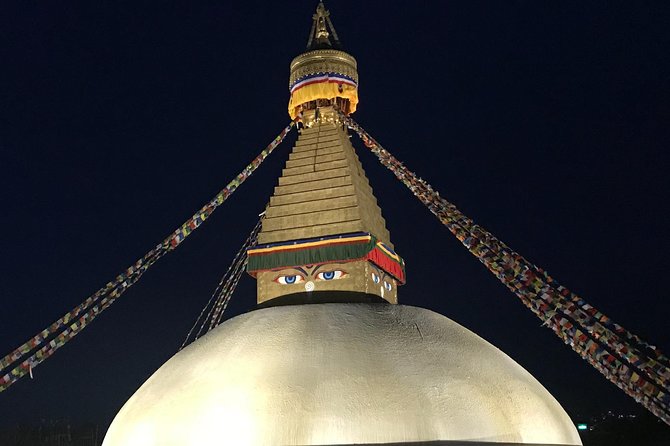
pixel 323 61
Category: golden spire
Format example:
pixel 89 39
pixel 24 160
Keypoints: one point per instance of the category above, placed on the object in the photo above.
pixel 324 75
pixel 320 17
pixel 319 36
pixel 323 237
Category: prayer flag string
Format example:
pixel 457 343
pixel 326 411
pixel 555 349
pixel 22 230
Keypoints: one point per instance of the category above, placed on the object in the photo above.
pixel 635 366
pixel 28 355
pixel 223 292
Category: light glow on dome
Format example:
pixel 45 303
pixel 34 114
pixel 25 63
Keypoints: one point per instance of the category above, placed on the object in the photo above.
pixel 340 374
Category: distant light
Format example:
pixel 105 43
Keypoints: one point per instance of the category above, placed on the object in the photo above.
pixel 582 426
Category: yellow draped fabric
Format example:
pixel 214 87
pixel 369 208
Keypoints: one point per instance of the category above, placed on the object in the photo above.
pixel 322 90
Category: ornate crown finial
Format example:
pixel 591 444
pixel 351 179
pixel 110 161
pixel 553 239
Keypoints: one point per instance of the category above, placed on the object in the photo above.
pixel 324 75
pixel 320 36
pixel 320 17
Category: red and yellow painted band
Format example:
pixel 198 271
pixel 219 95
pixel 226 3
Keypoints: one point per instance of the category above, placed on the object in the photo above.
pixel 319 243
pixel 394 269
pixel 384 262
pixel 388 252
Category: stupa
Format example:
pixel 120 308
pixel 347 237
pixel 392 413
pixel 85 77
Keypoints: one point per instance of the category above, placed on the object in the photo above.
pixel 329 357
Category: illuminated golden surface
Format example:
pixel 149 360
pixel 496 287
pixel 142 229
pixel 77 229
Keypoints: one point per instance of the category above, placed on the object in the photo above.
pixel 361 276
pixel 323 61
pixel 340 374
pixel 319 62
pixel 323 191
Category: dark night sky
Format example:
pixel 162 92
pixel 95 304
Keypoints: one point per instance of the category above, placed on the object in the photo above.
pixel 546 122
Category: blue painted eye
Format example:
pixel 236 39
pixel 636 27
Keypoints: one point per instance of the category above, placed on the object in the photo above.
pixel 331 275
pixel 290 280
pixel 388 286
pixel 375 278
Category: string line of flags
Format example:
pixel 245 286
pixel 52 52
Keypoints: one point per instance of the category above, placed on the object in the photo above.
pixel 218 302
pixel 31 353
pixel 638 368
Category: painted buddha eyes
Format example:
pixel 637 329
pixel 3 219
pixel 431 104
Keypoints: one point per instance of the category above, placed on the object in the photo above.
pixel 376 279
pixel 331 275
pixel 299 278
pixel 290 280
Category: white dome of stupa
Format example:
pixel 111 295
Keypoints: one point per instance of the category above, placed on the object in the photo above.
pixel 340 373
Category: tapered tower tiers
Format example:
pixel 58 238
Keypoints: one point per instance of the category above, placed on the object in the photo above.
pixel 324 238
pixel 323 230
pixel 327 358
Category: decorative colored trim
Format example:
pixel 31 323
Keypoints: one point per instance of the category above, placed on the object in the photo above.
pixel 314 244
pixel 335 78
pixel 337 248
pixel 383 261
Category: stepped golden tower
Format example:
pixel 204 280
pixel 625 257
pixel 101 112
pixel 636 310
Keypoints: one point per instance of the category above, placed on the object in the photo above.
pixel 329 358
pixel 323 231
